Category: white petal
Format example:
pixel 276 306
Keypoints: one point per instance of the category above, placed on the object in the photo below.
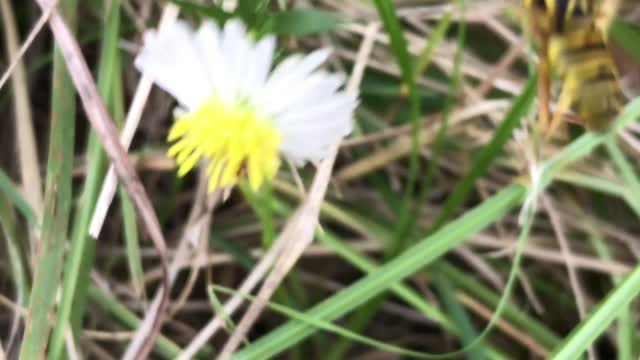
pixel 235 47
pixel 171 59
pixel 299 152
pixel 310 140
pixel 285 67
pixel 208 42
pixel 312 91
pixel 309 133
pixel 261 56
pixel 312 61
pixel 288 75
pixel 324 111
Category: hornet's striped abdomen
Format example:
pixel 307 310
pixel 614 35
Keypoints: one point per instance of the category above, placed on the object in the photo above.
pixel 583 61
pixel 572 36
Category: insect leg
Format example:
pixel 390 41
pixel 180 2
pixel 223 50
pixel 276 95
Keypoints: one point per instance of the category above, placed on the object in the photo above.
pixel 564 103
pixel 544 89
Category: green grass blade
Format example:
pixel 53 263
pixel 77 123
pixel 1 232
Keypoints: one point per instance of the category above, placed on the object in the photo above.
pixel 458 315
pixel 618 300
pixel 599 319
pixel 14 196
pixel 328 326
pixel 435 39
pixel 387 13
pixel 263 212
pixel 409 206
pixel 402 291
pixel 132 242
pixel 57 204
pixel 409 212
pixel 300 22
pixel 627 36
pixel 597 184
pixel 463 188
pixel 241 257
pixel 9 197
pixel 218 308
pixel 129 216
pixel 15 251
pixel 368 228
pixel 408 219
pixel 362 262
pixel 413 259
pixel 82 247
pixel 586 143
pixel 626 328
pixel 513 314
pixel 211 11
pixel 628 174
pixel 110 87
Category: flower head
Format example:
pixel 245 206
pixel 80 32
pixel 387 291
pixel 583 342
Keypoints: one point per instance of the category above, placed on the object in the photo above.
pixel 234 111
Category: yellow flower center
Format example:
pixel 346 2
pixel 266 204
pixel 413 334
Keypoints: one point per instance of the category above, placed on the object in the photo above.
pixel 234 139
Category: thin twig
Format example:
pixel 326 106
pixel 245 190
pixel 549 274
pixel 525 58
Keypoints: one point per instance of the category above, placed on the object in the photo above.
pixel 193 244
pixel 234 303
pixel 115 336
pixel 313 251
pixel 402 146
pixel 169 15
pixel 481 266
pixel 551 255
pixel 565 249
pixel 15 61
pixel 70 344
pixel 515 333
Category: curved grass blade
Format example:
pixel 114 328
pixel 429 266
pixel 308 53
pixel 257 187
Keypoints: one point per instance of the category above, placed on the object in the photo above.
pixel 14 196
pixel 328 326
pixel 413 259
pixel 15 251
pixel 459 316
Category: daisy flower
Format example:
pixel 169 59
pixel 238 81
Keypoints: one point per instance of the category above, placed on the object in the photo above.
pixel 237 113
